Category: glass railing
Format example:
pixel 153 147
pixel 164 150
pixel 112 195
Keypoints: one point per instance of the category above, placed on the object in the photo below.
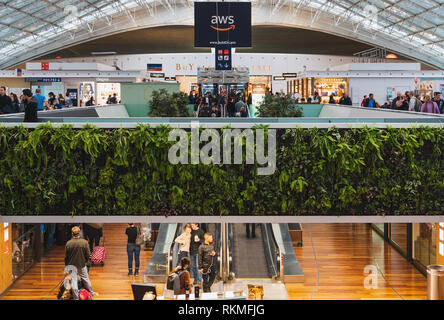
pixel 23 252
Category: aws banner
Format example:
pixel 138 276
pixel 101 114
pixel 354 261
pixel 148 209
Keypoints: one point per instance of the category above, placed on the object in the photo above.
pixel 226 23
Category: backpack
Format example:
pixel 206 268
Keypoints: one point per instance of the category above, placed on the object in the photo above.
pixel 173 282
pixel 85 295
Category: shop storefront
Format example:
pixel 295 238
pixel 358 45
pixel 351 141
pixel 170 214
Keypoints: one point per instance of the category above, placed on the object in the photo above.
pixel 306 87
pixel 327 86
pixel 106 90
pixel 428 86
pixel 187 83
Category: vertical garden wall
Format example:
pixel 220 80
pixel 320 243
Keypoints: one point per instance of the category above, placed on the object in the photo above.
pixel 95 171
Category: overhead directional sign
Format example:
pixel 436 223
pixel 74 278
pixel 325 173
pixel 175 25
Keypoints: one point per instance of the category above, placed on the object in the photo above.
pixel 223 57
pixel 226 23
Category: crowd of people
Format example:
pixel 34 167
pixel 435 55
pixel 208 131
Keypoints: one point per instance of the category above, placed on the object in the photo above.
pixel 197 258
pixel 404 102
pixel 224 105
pixel 15 104
pixel 408 102
pixel 28 101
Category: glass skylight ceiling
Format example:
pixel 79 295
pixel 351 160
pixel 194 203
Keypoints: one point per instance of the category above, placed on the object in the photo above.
pixel 29 24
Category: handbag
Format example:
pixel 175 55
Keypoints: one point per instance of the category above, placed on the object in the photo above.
pixel 139 238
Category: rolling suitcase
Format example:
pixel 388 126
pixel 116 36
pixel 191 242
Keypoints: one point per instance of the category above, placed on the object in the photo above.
pixel 98 255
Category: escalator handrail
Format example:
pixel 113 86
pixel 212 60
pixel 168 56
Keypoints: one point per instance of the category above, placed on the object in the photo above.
pixel 230 249
pixel 279 255
pixel 172 251
pixel 274 251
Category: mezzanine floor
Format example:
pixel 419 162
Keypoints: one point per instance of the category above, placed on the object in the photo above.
pixel 342 253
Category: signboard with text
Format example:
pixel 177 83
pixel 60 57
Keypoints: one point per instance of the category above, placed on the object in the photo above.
pixel 157 75
pixel 43 79
pixel 226 23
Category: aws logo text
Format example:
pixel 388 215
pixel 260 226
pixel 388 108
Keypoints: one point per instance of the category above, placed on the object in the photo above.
pixel 224 20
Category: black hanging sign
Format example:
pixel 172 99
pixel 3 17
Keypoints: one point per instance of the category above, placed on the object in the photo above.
pixel 227 23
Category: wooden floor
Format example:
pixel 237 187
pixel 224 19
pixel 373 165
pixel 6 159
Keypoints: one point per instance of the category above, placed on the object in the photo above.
pixel 342 251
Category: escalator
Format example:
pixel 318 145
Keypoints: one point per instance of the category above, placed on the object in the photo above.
pixel 267 260
pixel 249 255
pixel 254 261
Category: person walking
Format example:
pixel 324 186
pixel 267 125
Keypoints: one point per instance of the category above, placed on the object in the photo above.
pixel 15 105
pixel 77 254
pixel 184 240
pixel 30 104
pixel 429 106
pixel 132 249
pixel 207 262
pixel 93 232
pixel 197 237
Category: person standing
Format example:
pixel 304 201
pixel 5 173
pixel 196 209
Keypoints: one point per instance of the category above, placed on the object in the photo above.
pixel 15 105
pixel 184 240
pixel 429 106
pixel 238 106
pixel 197 237
pixel 439 101
pixel 5 101
pixel 412 101
pixel 345 100
pixel 41 100
pixel 184 275
pixel 62 101
pixel 370 101
pixel 207 262
pixel 363 101
pixel 68 102
pixel 30 105
pixel 316 98
pixel 77 254
pixel 253 230
pixel 132 249
pixel 231 107
pixel 52 101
